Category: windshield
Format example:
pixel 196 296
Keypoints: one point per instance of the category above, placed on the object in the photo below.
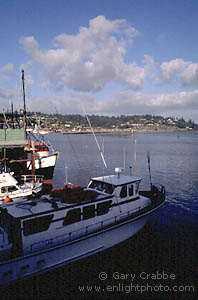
pixel 101 186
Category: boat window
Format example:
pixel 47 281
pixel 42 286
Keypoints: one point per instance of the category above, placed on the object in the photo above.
pixel 3 189
pixel 72 216
pixel 93 184
pixel 103 208
pixel 137 187
pixel 108 188
pixel 37 225
pixel 131 190
pixel 12 189
pixel 88 212
pixel 8 189
pixel 123 192
pixel 101 186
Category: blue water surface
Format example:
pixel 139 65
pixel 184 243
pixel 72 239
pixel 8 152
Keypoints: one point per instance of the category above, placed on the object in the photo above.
pixel 168 243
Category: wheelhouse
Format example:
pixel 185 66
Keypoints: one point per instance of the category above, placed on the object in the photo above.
pixel 123 187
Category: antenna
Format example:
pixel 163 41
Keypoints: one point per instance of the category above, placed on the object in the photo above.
pixel 95 138
pixel 124 158
pixel 66 175
pixel 135 155
pixel 149 167
pixel 130 170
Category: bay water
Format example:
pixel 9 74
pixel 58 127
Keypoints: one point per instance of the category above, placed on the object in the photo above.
pixel 160 260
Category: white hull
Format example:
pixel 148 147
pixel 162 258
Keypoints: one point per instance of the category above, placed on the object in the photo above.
pixel 46 260
pixel 44 165
pixel 10 188
pixel 16 196
pixel 43 162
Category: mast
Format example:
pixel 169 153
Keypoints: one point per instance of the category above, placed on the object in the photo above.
pixel 33 158
pixel 24 104
pixel 12 112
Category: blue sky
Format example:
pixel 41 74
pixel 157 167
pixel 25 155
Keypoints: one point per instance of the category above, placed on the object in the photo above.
pixel 111 57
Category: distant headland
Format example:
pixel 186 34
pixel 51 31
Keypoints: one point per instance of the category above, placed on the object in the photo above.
pixel 76 123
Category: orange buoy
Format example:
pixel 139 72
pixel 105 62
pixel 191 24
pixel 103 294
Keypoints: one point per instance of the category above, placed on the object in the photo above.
pixel 7 199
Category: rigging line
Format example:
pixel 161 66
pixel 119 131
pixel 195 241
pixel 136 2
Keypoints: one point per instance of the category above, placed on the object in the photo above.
pixel 101 154
pixel 78 161
pixel 76 156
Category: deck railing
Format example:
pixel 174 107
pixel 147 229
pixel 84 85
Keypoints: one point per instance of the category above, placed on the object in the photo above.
pixel 89 228
pixel 160 187
pixel 31 178
pixel 80 232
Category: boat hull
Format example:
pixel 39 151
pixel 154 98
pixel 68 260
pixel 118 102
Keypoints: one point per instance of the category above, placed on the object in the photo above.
pixel 43 166
pixel 37 263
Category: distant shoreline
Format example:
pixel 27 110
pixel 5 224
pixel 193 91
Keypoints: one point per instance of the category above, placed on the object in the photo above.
pixel 128 131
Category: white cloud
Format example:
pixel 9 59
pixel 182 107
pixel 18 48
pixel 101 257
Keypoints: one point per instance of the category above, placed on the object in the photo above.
pixel 97 57
pixel 172 68
pixel 186 71
pixel 189 76
pixel 124 102
pixel 129 102
pixel 150 65
pixel 6 94
pixel 91 58
pixel 7 68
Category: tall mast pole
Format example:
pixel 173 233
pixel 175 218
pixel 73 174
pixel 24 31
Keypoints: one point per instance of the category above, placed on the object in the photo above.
pixel 12 111
pixel 24 104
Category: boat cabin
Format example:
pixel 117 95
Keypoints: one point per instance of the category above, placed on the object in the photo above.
pixel 120 186
pixel 11 189
pixel 8 186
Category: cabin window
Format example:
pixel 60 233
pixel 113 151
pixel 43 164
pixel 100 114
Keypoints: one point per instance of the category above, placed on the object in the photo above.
pixel 93 185
pixel 96 185
pixel 102 186
pixel 72 216
pixel 88 212
pixel 123 192
pixel 3 189
pixel 103 208
pixel 8 189
pixel 12 189
pixel 37 225
pixel 108 188
pixel 137 187
pixel 131 190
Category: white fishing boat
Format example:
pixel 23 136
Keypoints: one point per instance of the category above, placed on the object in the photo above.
pixel 72 223
pixel 13 190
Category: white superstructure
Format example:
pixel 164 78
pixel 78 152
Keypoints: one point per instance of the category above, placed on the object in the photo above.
pixel 12 190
